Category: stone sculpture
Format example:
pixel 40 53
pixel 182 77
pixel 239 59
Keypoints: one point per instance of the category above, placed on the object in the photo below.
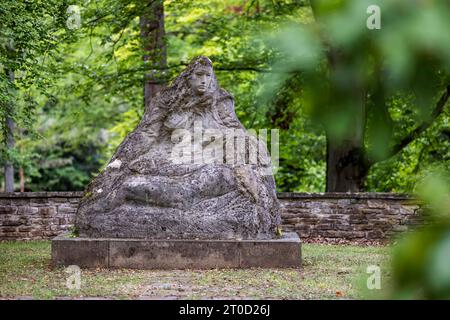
pixel 164 182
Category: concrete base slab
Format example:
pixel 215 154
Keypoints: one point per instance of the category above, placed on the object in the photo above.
pixel 284 252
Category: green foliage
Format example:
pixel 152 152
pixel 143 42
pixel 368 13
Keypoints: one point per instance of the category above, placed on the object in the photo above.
pixel 82 89
pixel 98 91
pixel 30 32
pixel 431 150
pixel 386 81
pixel 421 260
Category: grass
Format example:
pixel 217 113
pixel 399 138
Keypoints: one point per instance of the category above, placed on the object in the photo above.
pixel 328 272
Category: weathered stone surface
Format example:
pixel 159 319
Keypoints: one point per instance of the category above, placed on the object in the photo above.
pixel 148 190
pixel 81 252
pixel 174 254
pixel 284 252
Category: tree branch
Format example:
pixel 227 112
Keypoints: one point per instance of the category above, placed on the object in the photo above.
pixel 425 125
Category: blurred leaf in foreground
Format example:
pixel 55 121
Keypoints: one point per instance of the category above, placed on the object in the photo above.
pixel 421 262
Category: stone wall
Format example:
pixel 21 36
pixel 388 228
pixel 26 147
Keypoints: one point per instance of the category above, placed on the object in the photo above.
pixel 350 216
pixel 36 215
pixel 355 216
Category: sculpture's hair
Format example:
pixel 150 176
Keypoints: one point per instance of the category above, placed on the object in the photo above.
pixel 180 92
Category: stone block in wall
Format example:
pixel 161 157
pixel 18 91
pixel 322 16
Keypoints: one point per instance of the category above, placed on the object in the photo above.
pixel 62 221
pixel 408 210
pixel 18 202
pixel 47 211
pixel 362 227
pixel 24 220
pixel 370 212
pixel 286 227
pixel 292 220
pixel 290 213
pixel 285 205
pixel 5 202
pixel 344 203
pixel 27 210
pixel 381 224
pixel 336 216
pixel 36 234
pixel 59 200
pixel 33 220
pixel 8 210
pixel 38 201
pixel 50 221
pixel 25 228
pixel 357 218
pixel 302 226
pixel 49 234
pixel 324 226
pixel 8 229
pixel 375 235
pixel 326 221
pixel 377 204
pixel 64 209
pixel 343 227
pixel 308 221
pixel 11 223
pixel 297 213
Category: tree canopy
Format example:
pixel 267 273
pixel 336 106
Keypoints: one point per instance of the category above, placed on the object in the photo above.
pixel 302 67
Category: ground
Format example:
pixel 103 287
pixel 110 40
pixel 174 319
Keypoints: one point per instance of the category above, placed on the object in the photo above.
pixel 328 272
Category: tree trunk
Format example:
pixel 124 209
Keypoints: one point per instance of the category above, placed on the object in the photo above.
pixel 152 34
pixel 22 179
pixel 9 124
pixel 346 166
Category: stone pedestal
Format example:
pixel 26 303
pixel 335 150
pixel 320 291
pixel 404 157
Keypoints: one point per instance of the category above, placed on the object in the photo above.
pixel 284 252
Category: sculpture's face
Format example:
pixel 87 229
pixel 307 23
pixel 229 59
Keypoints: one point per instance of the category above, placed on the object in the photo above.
pixel 201 79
